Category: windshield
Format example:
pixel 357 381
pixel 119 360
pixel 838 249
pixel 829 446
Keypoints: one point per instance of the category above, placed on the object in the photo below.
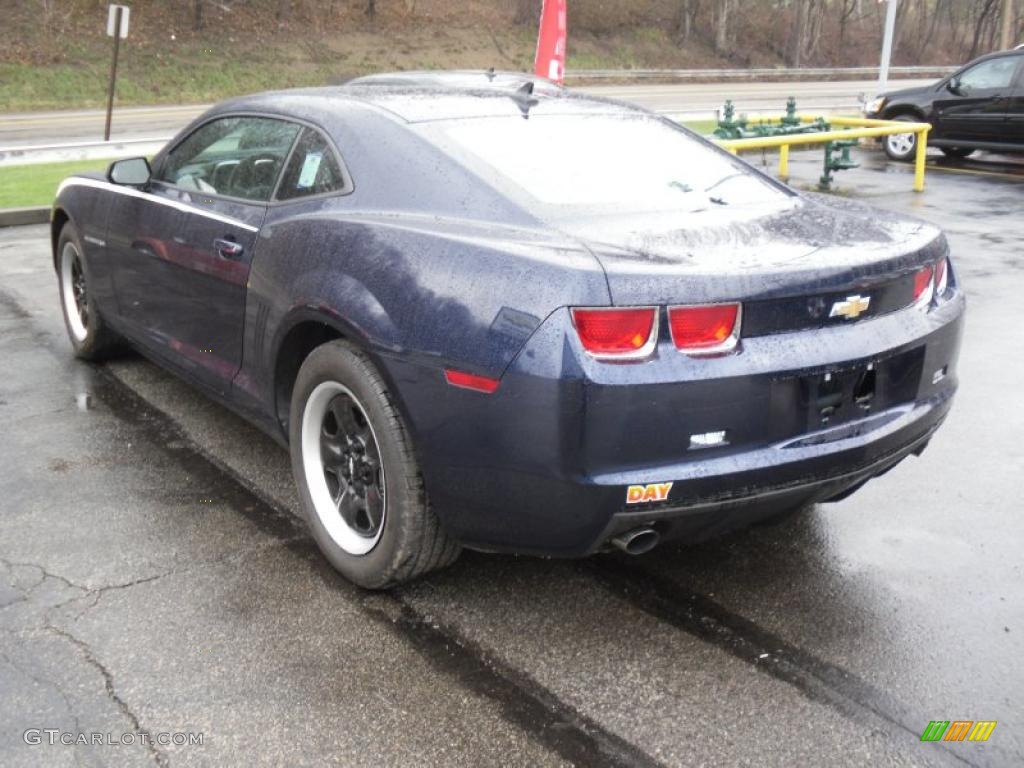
pixel 602 162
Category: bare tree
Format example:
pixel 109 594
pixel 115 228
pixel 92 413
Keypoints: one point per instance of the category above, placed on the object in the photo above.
pixel 796 35
pixel 813 27
pixel 686 19
pixel 847 7
pixel 1007 24
pixel 526 12
pixel 982 21
pixel 722 8
pixel 936 15
pixel 48 9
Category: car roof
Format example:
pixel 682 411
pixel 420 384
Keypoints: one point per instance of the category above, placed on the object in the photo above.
pixel 1014 52
pixel 415 97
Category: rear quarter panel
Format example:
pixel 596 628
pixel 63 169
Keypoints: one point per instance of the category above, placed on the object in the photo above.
pixel 418 293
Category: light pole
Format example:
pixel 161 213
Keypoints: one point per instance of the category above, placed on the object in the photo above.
pixel 890 26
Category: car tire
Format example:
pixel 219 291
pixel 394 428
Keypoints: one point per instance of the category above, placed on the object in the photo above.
pixel 957 152
pixel 90 336
pixel 901 146
pixel 358 478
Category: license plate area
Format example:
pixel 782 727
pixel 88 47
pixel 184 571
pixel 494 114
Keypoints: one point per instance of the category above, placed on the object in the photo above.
pixel 841 395
pixel 846 393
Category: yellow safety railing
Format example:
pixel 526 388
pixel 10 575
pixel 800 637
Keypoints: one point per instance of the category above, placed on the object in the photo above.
pixel 852 128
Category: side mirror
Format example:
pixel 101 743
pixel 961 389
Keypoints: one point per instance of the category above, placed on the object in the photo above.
pixel 134 171
pixel 953 86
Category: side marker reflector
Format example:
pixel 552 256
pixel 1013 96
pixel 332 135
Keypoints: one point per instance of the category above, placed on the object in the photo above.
pixel 471 381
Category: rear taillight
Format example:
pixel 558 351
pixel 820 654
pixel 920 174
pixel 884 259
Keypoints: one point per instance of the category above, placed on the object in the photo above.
pixel 941 277
pixel 923 285
pixel 617 333
pixel 705 329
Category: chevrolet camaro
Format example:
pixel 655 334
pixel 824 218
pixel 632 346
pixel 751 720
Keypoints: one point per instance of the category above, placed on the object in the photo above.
pixel 485 311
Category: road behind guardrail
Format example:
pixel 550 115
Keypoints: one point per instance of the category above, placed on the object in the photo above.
pixel 762 73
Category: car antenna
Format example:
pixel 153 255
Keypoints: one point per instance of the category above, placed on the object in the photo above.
pixel 523 97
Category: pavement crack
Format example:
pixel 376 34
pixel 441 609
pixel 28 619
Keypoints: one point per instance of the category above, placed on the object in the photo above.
pixel 10 565
pixel 159 757
pixel 97 593
pixel 134 582
pixel 83 590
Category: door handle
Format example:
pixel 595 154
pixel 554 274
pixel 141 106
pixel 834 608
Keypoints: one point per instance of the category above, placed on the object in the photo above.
pixel 227 249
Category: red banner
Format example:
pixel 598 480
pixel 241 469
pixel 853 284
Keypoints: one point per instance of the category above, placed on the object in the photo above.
pixel 551 41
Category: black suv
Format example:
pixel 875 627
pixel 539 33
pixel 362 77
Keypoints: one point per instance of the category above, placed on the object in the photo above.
pixel 981 106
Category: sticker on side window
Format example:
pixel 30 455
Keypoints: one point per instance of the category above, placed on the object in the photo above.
pixel 309 168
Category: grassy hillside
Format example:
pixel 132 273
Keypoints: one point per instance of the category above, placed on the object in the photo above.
pixel 55 53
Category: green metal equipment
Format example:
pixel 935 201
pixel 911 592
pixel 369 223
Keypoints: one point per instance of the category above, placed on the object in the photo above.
pixel 837 158
pixel 837 153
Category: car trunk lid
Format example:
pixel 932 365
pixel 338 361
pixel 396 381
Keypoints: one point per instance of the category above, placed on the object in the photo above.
pixel 788 263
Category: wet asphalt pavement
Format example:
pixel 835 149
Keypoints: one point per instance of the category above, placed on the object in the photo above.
pixel 154 578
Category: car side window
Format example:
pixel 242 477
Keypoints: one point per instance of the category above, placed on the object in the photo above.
pixel 233 156
pixel 994 73
pixel 312 170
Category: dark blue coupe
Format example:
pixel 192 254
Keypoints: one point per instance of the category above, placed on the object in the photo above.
pixel 484 311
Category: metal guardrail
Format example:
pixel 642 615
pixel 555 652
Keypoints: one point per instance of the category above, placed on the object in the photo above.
pixel 839 73
pixel 850 128
pixel 81 144
pixel 33 154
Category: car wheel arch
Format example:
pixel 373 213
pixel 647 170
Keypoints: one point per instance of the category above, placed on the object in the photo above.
pixel 905 111
pixel 58 219
pixel 301 331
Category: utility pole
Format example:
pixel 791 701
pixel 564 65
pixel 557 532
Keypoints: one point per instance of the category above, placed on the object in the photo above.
pixel 1006 36
pixel 890 26
pixel 117 27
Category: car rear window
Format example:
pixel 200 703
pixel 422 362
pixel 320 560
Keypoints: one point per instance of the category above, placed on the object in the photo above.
pixel 602 162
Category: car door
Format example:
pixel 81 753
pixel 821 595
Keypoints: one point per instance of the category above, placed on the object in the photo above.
pixel 974 105
pixel 184 249
pixel 1015 118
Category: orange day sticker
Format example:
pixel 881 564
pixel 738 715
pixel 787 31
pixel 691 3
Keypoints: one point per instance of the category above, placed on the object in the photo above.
pixel 639 494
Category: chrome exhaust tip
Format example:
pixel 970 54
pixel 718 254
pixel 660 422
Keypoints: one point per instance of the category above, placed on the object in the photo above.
pixel 639 541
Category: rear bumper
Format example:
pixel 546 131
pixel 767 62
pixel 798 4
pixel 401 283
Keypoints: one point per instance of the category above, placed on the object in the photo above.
pixel 543 465
pixel 746 496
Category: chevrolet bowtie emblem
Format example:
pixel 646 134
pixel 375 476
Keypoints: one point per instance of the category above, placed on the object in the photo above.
pixel 850 308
